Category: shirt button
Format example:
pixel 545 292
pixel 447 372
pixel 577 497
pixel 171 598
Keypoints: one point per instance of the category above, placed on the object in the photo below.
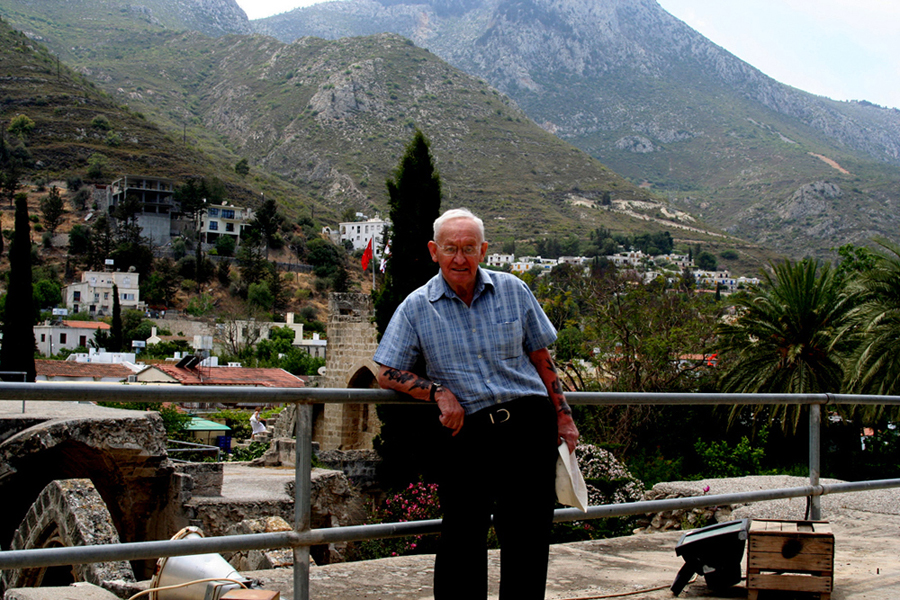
pixel 479 356
pixel 473 330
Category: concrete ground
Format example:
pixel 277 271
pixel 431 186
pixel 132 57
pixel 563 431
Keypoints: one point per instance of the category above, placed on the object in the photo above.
pixel 867 567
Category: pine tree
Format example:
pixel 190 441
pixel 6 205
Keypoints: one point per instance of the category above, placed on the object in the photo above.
pixel 408 433
pixel 17 352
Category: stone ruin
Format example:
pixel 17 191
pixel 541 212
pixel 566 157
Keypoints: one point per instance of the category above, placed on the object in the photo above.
pixel 76 474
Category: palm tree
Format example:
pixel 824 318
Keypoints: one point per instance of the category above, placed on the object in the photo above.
pixel 785 336
pixel 875 323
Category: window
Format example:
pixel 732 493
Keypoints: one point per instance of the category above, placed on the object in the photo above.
pixel 97 297
pixel 106 295
pixel 127 296
pixel 227 213
pixel 76 296
pixel 62 338
pixel 213 212
pixel 82 340
pixel 213 225
pixel 43 337
pixel 229 227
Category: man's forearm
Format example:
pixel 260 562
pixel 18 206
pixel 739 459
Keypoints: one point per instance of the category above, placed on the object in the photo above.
pixel 406 382
pixel 547 372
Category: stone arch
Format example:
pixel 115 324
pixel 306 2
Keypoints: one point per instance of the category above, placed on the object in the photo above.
pixel 361 423
pixel 122 452
pixel 67 513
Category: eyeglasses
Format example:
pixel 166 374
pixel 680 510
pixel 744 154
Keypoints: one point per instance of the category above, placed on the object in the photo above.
pixel 452 250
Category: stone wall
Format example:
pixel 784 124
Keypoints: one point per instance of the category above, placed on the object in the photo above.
pixel 352 340
pixel 206 478
pixel 685 518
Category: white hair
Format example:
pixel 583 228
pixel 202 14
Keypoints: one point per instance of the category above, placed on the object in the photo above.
pixel 458 213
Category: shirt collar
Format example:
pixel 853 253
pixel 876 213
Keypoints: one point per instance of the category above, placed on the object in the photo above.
pixel 439 287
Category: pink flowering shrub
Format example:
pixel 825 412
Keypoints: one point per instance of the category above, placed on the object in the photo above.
pixel 417 502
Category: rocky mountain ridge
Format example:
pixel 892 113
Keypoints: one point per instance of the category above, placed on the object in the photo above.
pixel 657 102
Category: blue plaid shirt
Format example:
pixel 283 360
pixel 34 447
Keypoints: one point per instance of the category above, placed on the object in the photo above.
pixel 480 353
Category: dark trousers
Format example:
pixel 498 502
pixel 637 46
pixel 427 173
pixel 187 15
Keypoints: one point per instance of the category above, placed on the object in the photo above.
pixel 505 467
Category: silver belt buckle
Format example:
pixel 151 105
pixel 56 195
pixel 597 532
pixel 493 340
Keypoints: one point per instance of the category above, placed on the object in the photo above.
pixel 498 421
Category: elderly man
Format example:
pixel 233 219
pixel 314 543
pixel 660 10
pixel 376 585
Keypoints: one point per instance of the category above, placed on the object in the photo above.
pixel 484 339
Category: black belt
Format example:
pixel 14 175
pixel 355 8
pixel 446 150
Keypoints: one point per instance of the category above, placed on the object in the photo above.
pixel 501 413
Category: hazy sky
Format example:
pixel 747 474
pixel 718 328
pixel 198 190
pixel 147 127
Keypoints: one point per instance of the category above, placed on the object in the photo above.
pixel 843 49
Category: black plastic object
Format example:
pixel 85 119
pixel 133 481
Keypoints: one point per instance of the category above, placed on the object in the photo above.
pixel 715 552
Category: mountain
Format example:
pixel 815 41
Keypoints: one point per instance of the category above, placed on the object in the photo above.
pixel 330 120
pixel 657 102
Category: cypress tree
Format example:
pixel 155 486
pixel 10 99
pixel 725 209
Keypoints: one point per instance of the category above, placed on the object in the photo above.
pixel 415 202
pixel 408 433
pixel 17 353
pixel 116 332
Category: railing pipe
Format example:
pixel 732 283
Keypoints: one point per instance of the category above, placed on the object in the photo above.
pixel 44 557
pixel 815 458
pixel 302 493
pixel 131 393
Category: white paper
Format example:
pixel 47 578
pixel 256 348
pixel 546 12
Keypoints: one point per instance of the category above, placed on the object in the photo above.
pixel 570 487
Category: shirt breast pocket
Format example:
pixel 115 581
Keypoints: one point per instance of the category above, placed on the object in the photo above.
pixel 509 339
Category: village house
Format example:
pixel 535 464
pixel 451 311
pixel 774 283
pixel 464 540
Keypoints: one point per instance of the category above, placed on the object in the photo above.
pixel 224 219
pixel 51 337
pixel 359 233
pixel 94 293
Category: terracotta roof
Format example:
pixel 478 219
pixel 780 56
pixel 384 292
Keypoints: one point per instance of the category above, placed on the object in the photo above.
pixel 52 369
pixel 86 324
pixel 231 376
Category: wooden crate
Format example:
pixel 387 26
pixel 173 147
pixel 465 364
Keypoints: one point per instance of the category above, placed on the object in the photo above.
pixel 795 556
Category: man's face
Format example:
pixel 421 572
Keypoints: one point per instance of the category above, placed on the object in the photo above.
pixel 458 252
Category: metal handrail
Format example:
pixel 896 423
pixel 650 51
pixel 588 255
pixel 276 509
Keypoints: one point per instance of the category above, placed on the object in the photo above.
pixel 303 537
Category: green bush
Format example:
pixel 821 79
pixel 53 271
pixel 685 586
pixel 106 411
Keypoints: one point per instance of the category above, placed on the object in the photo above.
pixel 252 452
pixel 721 460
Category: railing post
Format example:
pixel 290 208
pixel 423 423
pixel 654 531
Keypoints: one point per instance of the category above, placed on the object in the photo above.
pixel 815 458
pixel 302 490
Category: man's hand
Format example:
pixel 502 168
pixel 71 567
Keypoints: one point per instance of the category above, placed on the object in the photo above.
pixel 452 414
pixel 567 430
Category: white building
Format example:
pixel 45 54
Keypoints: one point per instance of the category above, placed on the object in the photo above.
pixel 360 232
pixel 224 219
pixel 633 258
pixel 526 263
pixel 94 293
pixel 498 260
pixel 713 278
pixel 248 332
pixel 53 337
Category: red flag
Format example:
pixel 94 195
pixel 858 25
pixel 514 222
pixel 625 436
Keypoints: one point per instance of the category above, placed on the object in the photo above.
pixel 367 255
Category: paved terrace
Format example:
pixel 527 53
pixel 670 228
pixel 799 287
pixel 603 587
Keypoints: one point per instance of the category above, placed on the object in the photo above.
pixel 866 528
